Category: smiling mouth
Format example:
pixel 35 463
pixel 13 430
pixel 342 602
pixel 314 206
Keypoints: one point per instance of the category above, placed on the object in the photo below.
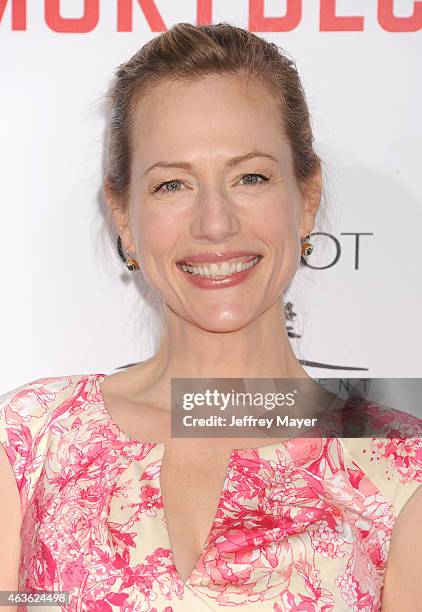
pixel 219 270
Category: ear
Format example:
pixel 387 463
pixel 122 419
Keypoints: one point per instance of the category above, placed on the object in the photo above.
pixel 312 192
pixel 119 212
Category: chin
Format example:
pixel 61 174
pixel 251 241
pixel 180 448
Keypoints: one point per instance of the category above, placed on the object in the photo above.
pixel 222 327
pixel 227 322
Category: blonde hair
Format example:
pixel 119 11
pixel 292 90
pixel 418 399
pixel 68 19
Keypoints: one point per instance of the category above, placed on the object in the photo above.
pixel 189 51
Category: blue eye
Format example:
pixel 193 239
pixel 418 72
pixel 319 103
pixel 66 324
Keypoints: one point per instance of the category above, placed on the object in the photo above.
pixel 159 187
pixel 264 179
pixel 156 189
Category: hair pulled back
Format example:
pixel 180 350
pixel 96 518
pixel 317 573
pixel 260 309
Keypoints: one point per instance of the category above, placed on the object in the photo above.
pixel 189 51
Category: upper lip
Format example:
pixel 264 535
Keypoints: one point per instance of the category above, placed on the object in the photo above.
pixel 216 256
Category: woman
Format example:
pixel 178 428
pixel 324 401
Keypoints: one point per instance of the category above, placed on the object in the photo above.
pixel 210 159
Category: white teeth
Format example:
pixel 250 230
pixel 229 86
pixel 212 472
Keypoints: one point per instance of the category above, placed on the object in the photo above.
pixel 223 269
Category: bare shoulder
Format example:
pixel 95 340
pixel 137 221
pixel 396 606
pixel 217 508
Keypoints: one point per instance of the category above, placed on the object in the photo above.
pixel 402 582
pixel 131 383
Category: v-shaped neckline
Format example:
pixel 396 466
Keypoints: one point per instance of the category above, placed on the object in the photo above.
pixel 222 490
pixel 160 448
pixel 155 456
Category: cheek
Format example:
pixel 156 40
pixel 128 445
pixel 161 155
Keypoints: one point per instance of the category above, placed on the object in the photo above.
pixel 157 234
pixel 278 225
pixel 278 229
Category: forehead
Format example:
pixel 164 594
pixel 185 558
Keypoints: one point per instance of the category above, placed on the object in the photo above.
pixel 215 114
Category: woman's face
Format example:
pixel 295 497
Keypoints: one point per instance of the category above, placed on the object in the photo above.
pixel 212 176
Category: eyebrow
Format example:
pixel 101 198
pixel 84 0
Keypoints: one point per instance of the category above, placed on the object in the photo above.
pixel 229 163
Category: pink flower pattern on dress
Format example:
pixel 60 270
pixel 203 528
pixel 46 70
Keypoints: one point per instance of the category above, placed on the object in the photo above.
pixel 303 525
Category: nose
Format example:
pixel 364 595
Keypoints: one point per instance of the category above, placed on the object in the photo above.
pixel 215 216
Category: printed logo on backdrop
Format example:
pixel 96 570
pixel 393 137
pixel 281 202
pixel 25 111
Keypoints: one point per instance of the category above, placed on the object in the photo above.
pixel 127 12
pixel 289 312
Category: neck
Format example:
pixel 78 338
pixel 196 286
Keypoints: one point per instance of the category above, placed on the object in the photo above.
pixel 260 350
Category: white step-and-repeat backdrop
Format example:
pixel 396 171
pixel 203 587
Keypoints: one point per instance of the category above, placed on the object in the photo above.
pixel 69 306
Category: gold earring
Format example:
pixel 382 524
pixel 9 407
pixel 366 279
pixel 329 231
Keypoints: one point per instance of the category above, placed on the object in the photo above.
pixel 307 247
pixel 131 263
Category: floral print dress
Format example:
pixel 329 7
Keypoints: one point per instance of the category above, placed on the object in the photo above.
pixel 301 525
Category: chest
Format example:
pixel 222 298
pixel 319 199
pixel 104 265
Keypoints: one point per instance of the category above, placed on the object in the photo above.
pixel 191 485
pixel 101 524
pixel 191 479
